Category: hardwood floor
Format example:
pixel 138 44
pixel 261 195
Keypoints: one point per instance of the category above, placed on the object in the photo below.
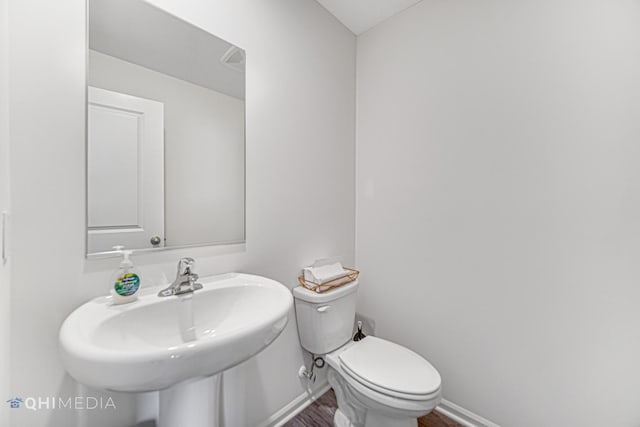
pixel 320 414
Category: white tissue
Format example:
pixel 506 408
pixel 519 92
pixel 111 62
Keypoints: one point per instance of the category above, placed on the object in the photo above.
pixel 323 273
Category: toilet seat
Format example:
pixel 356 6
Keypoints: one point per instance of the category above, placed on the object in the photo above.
pixel 390 369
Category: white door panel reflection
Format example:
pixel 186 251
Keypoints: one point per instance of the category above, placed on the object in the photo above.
pixel 125 155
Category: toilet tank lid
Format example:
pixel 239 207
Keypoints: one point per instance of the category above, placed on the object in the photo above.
pixel 304 294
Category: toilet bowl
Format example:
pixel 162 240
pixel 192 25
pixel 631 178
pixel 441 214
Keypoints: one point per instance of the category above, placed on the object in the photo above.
pixel 377 383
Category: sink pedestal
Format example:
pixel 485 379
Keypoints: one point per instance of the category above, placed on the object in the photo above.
pixel 192 403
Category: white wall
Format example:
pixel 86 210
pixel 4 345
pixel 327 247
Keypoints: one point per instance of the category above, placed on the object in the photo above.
pixel 4 206
pixel 300 106
pixel 498 202
pixel 204 143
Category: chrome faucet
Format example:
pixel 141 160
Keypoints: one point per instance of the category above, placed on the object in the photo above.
pixel 185 280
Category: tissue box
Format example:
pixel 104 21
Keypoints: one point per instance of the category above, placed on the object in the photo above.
pixel 311 281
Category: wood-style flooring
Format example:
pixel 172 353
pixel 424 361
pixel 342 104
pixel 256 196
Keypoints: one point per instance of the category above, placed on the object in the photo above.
pixel 320 414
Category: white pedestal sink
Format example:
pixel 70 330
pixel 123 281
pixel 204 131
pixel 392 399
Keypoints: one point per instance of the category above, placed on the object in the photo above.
pixel 175 344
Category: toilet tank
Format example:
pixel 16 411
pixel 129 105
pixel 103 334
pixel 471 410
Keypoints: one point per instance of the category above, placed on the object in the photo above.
pixel 325 321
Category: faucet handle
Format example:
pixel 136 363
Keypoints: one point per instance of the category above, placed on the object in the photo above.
pixel 185 265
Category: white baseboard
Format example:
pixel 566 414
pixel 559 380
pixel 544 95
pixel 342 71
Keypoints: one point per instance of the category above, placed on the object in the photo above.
pixel 296 406
pixel 463 416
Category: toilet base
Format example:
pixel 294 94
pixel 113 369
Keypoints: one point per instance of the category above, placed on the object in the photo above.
pixel 341 420
pixel 373 420
pixel 379 420
pixel 352 412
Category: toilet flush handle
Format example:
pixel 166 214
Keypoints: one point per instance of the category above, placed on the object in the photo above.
pixel 323 308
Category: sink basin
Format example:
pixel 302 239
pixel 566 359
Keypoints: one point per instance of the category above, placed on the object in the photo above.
pixel 157 342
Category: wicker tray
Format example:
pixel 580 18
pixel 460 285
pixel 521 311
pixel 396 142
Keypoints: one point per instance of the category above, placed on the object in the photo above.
pixel 349 277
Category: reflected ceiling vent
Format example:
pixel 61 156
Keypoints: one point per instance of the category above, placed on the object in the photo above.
pixel 234 58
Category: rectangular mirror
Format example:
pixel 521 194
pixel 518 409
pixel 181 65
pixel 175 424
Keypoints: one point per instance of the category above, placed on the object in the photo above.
pixel 165 131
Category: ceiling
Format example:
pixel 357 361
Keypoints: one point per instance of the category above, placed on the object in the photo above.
pixel 361 15
pixel 137 32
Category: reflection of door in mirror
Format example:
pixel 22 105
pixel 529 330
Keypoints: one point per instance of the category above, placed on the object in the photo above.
pixel 125 156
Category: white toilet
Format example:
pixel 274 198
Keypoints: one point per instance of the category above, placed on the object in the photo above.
pixel 377 383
